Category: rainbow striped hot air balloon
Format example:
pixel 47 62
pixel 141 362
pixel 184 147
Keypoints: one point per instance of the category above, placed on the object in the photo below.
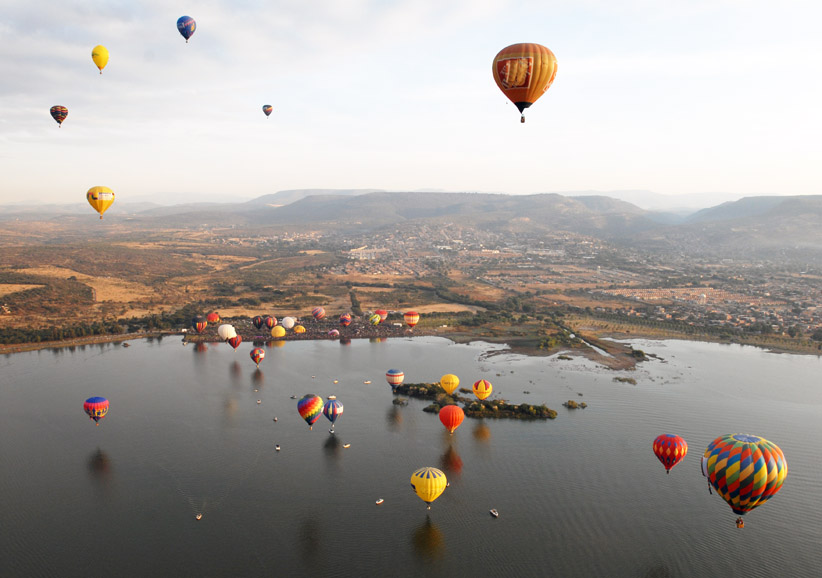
pixel 332 409
pixel 411 318
pixel 482 389
pixel 310 408
pixel 318 313
pixel 428 484
pixel 59 114
pixel 345 319
pixel 257 355
pixel 670 449
pixel 199 323
pixel 96 408
pixel 258 322
pixel 394 377
pixel 270 321
pixel 745 470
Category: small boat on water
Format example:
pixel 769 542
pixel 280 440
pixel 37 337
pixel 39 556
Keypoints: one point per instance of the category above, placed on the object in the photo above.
pixel 335 381
pixel 332 397
pixel 494 513
pixel 126 345
pixel 198 517
pixel 293 397
pixel 380 501
pixel 346 445
pixel 259 401
pixel 275 419
pixel 367 381
pixel 277 447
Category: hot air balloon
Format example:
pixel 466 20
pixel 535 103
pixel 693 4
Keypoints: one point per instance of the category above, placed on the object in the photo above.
pixel 334 333
pixel 235 341
pixel 100 198
pixel 382 313
pixel 345 319
pixel 428 484
pixel 451 417
pixel 482 389
pixel 745 470
pixel 99 54
pixel 59 113
pixel 199 323
pixel 449 382
pixel 186 26
pixel 318 313
pixel 310 408
pixel 394 377
pixel 267 108
pixel 670 449
pixel 299 329
pixel 332 410
pixel 257 355
pixel 411 318
pixel 375 319
pixel 96 408
pixel 258 322
pixel 523 72
pixel 278 332
pixel 213 317
pixel 226 331
pixel 270 321
pixel 288 322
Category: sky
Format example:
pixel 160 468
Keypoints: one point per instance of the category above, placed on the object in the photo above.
pixel 715 96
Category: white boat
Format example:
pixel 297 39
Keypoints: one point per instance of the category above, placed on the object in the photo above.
pixel 494 513
pixel 332 397
pixel 277 447
pixel 198 517
pixel 367 381
pixel 293 397
pixel 380 501
pixel 275 419
pixel 346 445
pixel 335 381
pixel 259 401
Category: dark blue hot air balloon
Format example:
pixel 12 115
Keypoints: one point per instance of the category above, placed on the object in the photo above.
pixel 186 26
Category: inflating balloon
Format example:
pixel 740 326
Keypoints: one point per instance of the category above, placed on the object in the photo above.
pixel 186 25
pixel 375 319
pixel 213 317
pixel 96 408
pixel 99 54
pixel 100 198
pixel 226 331
pixel 382 313
pixel 670 449
pixel 345 319
pixel 288 322
pixel 745 470
pixel 523 72
pixel 428 484
pixel 278 332
pixel 299 329
pixel 59 113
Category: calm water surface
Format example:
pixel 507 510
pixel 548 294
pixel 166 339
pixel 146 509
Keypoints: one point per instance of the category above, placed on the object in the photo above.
pixel 582 495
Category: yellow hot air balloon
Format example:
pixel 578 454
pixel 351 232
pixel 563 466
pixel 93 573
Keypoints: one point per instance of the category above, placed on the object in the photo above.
pixel 482 388
pixel 428 484
pixel 299 329
pixel 99 54
pixel 449 382
pixel 278 331
pixel 100 198
pixel 523 72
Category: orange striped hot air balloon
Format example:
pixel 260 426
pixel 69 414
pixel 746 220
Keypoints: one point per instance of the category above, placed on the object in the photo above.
pixel 523 72
pixel 482 389
pixel 451 417
pixel 411 318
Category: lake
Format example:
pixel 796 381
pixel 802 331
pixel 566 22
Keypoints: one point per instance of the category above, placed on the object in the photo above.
pixel 581 495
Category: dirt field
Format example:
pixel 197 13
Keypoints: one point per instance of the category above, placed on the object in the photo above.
pixel 106 289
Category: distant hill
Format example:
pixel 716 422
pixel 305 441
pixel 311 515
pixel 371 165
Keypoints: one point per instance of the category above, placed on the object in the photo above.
pixel 282 198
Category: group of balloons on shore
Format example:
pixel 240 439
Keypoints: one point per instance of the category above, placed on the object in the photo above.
pixel 745 470
pixel 522 71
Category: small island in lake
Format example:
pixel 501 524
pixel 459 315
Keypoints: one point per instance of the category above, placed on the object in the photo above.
pixel 494 408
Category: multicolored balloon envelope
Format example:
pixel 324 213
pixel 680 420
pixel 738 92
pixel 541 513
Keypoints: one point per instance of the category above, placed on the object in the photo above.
pixel 99 54
pixel 345 319
pixel 186 25
pixel 482 389
pixel 428 484
pixel 523 72
pixel 100 198
pixel 59 113
pixel 199 323
pixel 310 408
pixel 213 317
pixel 318 313
pixel 449 382
pixel 670 449
pixel 411 318
pixel 451 417
pixel 96 408
pixel 382 313
pixel 257 355
pixel 745 470
pixel 270 321
pixel 375 319
pixel 394 377
pixel 267 108
pixel 235 341
pixel 333 409
pixel 257 321
pixel 334 333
